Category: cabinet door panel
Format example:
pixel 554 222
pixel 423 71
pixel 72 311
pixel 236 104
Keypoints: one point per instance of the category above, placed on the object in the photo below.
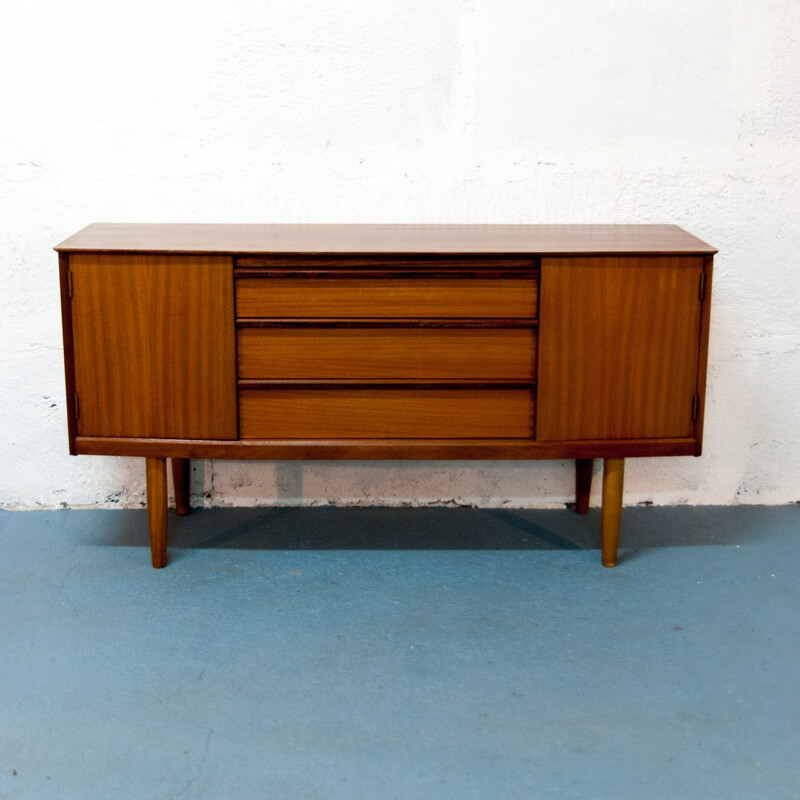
pixel 154 345
pixel 618 347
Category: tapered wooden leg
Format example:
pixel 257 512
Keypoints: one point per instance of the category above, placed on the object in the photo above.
pixel 180 482
pixel 157 509
pixel 583 483
pixel 613 480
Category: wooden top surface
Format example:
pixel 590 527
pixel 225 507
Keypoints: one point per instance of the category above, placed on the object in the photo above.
pixel 362 239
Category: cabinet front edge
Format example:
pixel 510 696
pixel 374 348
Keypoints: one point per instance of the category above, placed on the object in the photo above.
pixel 388 449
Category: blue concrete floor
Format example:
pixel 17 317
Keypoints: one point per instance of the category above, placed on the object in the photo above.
pixel 401 653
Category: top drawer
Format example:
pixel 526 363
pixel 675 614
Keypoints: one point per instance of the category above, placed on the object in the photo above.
pixel 505 288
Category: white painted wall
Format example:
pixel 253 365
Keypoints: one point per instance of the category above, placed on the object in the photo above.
pixel 684 111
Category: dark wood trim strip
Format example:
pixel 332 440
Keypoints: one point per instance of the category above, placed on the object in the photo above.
pixel 411 263
pixel 344 383
pixel 385 273
pixel 69 353
pixel 702 364
pixel 338 322
pixel 404 449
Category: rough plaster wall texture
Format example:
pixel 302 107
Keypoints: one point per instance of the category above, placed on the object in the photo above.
pixel 474 111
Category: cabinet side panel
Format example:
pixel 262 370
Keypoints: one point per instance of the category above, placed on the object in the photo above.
pixel 154 345
pixel 69 359
pixel 618 343
pixel 705 322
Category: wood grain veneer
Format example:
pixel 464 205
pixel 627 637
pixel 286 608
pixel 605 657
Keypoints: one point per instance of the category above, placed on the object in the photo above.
pixel 702 364
pixel 386 297
pixel 65 283
pixel 153 340
pixel 618 351
pixel 385 413
pixel 385 341
pixel 382 449
pixel 613 478
pixel 156 472
pixel 383 239
pixel 384 353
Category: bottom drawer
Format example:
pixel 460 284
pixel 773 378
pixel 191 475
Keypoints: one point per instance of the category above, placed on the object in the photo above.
pixel 385 413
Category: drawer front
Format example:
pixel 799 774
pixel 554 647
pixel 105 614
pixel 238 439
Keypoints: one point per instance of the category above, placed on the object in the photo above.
pixel 386 353
pixel 385 414
pixel 386 297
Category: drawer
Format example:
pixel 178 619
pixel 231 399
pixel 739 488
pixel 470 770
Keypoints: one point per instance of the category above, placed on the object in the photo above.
pixel 385 353
pixel 392 295
pixel 390 413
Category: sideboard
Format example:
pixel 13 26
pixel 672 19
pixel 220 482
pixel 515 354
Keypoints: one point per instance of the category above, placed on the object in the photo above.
pixel 385 342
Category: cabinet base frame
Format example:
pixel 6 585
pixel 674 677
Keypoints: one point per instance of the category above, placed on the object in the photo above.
pixel 383 449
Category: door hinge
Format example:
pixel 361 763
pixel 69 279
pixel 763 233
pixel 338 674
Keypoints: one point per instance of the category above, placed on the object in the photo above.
pixel 76 405
pixel 703 285
pixel 69 284
pixel 695 407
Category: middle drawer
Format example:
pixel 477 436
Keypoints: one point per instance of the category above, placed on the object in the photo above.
pixel 364 352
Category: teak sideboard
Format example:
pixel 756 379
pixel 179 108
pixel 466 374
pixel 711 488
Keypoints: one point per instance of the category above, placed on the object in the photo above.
pixel 385 342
